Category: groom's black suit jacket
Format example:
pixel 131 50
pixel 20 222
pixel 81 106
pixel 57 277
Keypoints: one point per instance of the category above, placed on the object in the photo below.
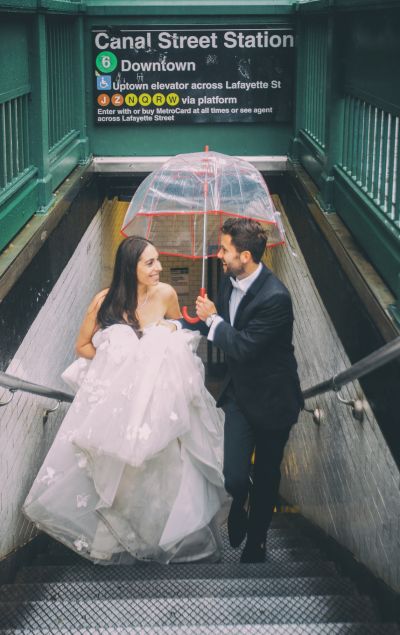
pixel 259 354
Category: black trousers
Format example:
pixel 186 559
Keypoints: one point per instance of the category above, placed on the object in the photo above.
pixel 241 438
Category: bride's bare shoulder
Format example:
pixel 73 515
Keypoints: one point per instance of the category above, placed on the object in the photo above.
pixel 170 301
pixel 166 291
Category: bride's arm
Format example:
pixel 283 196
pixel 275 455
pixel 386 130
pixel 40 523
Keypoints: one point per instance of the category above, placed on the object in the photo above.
pixel 89 326
pixel 173 311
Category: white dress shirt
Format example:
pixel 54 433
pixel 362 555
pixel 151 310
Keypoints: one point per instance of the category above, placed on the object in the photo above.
pixel 240 288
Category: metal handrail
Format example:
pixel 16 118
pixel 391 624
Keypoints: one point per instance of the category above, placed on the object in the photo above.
pixel 378 358
pixel 15 383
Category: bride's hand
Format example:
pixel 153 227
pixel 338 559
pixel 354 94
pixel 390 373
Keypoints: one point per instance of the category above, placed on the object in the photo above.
pixel 169 325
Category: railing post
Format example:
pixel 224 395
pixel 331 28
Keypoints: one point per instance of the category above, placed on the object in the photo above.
pixel 333 115
pixel 299 88
pixel 309 145
pixel 39 130
pixel 80 89
pixel 394 309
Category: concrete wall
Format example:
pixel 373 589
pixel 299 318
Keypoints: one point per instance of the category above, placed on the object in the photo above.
pixel 44 353
pixel 341 475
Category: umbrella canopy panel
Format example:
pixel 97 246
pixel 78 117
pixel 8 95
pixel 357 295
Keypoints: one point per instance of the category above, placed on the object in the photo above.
pixel 169 205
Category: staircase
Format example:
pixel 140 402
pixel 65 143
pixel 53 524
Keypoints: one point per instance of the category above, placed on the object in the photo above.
pixel 296 591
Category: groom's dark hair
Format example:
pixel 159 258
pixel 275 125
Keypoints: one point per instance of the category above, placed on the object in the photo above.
pixel 246 235
pixel 120 304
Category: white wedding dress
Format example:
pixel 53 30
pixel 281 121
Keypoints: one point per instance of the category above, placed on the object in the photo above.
pixel 135 471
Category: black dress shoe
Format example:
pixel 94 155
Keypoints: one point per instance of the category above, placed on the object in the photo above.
pixel 237 525
pixel 253 553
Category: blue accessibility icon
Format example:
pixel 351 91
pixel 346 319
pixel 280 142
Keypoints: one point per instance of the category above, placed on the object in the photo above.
pixel 104 82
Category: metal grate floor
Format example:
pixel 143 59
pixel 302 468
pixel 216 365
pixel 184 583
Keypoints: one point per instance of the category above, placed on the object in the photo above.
pixel 245 629
pixel 296 591
pixel 279 540
pixel 187 612
pixel 175 588
pixel 147 571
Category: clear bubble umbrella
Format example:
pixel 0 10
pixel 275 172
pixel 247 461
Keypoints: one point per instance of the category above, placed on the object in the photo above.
pixel 182 205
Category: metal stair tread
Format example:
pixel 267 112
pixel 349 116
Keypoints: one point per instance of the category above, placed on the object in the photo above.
pixel 283 520
pixel 328 628
pixel 278 539
pixel 228 555
pixel 187 611
pixel 54 573
pixel 176 588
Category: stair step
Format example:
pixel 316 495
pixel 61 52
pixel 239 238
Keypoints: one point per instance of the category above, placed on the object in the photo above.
pixel 278 539
pixel 286 520
pixel 245 629
pixel 284 538
pixel 146 571
pixel 187 612
pixel 66 556
pixel 175 588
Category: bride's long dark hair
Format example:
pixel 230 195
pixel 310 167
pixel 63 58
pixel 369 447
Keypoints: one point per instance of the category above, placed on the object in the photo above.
pixel 120 304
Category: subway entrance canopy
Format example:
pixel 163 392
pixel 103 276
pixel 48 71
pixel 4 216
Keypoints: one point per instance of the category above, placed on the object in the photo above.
pixel 284 82
pixel 94 95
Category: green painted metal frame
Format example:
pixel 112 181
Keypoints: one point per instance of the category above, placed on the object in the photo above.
pixel 343 167
pixel 185 8
pixel 54 152
pixel 64 6
pixel 31 189
pixel 311 6
pixel 321 123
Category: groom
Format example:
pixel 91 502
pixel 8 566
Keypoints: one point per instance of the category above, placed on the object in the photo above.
pixel 252 323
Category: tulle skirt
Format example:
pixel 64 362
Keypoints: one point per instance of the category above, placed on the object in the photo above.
pixel 135 471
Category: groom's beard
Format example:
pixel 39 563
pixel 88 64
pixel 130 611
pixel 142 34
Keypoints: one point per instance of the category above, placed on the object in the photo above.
pixel 234 271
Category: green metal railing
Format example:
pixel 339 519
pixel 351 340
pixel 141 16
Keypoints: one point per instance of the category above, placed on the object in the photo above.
pixel 370 154
pixel 42 111
pixel 60 87
pixel 377 359
pixel 314 78
pixel 347 120
pixel 14 140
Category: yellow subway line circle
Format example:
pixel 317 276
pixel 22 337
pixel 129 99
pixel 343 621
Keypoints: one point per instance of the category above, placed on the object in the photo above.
pixel 158 99
pixel 145 99
pixel 173 99
pixel 131 99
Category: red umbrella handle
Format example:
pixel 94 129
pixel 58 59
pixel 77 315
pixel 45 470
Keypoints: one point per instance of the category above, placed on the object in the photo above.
pixel 186 315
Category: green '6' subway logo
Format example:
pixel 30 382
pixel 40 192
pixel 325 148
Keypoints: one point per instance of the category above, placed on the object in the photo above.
pixel 106 62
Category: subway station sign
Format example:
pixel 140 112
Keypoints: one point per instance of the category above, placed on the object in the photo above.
pixel 199 75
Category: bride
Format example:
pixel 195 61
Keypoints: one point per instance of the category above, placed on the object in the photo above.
pixel 135 471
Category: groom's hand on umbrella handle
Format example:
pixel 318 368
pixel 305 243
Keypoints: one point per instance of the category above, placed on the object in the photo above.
pixel 205 307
